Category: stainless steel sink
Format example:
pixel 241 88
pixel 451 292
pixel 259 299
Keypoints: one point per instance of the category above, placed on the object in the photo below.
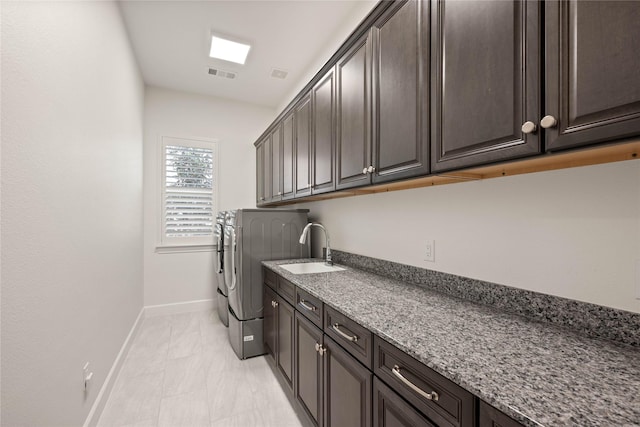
pixel 310 268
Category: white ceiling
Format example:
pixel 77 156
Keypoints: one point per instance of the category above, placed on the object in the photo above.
pixel 171 42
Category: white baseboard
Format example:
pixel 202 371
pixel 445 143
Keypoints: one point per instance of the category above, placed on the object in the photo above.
pixel 180 307
pixel 103 395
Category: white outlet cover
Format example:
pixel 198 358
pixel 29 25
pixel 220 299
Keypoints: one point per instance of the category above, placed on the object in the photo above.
pixel 430 251
pixel 638 279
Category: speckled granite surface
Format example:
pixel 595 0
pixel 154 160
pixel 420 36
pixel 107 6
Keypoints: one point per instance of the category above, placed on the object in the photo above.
pixel 536 373
pixel 589 319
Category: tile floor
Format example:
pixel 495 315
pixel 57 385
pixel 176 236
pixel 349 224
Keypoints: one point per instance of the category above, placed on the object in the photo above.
pixel 182 372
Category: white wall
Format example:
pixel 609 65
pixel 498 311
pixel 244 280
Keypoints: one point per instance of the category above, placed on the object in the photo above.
pixel 72 110
pixel 360 10
pixel 181 277
pixel 573 233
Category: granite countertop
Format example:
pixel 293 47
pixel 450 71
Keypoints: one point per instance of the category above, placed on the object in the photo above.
pixel 538 374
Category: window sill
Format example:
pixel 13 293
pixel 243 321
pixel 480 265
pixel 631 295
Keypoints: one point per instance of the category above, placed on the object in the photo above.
pixel 183 248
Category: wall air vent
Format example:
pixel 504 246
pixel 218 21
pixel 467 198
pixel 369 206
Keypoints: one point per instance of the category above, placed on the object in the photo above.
pixel 278 74
pixel 222 73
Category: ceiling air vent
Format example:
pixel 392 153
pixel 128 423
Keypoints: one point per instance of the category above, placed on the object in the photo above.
pixel 222 73
pixel 278 74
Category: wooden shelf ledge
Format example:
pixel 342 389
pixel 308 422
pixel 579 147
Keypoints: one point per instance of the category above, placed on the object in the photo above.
pixel 622 151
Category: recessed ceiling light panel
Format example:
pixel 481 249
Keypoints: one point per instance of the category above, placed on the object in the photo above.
pixel 228 50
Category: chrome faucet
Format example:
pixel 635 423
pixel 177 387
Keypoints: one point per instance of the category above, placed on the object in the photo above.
pixel 303 239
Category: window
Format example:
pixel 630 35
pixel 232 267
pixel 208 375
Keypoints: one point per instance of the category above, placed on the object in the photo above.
pixel 189 192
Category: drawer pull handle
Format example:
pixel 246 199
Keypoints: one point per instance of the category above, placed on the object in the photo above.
pixel 429 396
pixel 336 327
pixel 307 306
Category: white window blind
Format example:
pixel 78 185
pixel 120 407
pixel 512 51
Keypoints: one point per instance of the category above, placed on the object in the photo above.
pixel 188 192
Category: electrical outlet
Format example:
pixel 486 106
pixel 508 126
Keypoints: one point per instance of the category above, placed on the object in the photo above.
pixel 430 251
pixel 638 279
pixel 86 376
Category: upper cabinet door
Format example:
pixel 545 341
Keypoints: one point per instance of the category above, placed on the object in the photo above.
pixel 353 155
pixel 485 81
pixel 288 159
pixel 276 153
pixel 400 40
pixel 268 184
pixel 592 71
pixel 260 174
pixel 322 154
pixel 302 136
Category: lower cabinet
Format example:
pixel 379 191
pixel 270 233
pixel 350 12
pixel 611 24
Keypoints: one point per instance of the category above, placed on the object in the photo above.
pixel 391 410
pixel 490 417
pixel 333 388
pixel 284 333
pixel 345 376
pixel 269 312
pixel 278 333
pixel 308 368
pixel 347 388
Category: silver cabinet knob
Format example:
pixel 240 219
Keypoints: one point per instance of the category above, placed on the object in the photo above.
pixel 364 171
pixel 275 303
pixel 371 169
pixel 529 127
pixel 279 193
pixel 548 122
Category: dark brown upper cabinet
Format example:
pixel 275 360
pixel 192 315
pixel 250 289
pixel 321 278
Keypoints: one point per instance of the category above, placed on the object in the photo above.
pixel 288 158
pixel 592 72
pixel 276 161
pixel 260 173
pixel 302 152
pixel 353 116
pixel 383 100
pixel 485 82
pixel 263 172
pixel 400 92
pixel 323 142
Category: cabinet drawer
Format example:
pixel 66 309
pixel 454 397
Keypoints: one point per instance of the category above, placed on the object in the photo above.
pixel 287 290
pixel 450 405
pixel 269 277
pixel 309 306
pixel 356 339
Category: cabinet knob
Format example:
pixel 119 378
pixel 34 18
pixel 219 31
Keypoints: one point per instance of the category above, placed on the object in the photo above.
pixel 274 303
pixel 371 169
pixel 548 122
pixel 364 171
pixel 529 127
pixel 279 193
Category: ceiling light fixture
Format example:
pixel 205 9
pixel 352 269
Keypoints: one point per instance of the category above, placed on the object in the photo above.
pixel 228 50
